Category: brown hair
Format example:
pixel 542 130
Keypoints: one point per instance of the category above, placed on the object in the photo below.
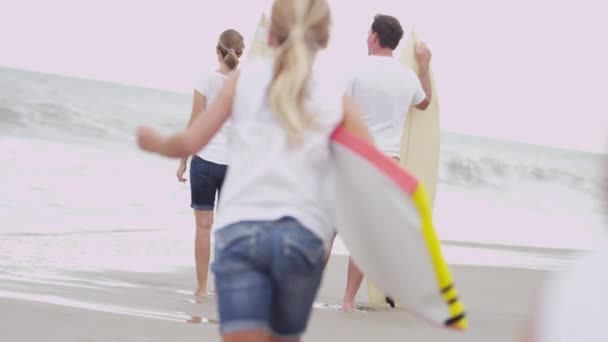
pixel 230 46
pixel 301 29
pixel 388 29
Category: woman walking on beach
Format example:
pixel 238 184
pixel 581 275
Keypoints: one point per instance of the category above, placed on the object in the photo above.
pixel 275 220
pixel 208 166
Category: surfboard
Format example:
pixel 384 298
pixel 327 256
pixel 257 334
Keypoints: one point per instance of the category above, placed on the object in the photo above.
pixel 419 145
pixel 404 259
pixel 402 255
pixel 421 137
pixel 259 46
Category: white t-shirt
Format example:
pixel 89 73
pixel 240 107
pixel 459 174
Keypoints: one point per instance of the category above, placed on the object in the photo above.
pixel 384 89
pixel 216 150
pixel 270 178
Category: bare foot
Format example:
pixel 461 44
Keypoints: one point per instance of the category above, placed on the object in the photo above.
pixel 201 293
pixel 348 306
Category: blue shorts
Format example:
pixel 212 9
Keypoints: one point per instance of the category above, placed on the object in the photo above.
pixel 206 179
pixel 267 275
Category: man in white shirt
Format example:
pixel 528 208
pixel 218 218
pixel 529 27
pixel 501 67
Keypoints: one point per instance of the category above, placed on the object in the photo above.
pixel 384 89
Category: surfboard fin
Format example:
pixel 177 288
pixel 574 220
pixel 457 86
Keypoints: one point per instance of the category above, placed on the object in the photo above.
pixel 390 301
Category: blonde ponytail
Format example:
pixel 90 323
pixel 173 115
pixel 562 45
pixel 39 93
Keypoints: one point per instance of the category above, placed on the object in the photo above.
pixel 301 28
pixel 288 92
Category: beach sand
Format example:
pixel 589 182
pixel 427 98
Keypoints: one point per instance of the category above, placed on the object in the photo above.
pixel 131 306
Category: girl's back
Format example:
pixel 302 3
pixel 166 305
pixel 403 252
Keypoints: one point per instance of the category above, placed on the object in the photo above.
pixel 270 176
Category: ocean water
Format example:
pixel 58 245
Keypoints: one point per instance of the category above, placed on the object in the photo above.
pixel 76 194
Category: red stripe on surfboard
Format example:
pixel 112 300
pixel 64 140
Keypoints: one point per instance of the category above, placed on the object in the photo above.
pixel 388 166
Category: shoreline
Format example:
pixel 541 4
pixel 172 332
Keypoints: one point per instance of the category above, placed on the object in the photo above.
pixel 119 305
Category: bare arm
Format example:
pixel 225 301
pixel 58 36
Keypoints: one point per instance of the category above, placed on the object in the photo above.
pixel 423 57
pixel 425 79
pixel 199 103
pixel 199 132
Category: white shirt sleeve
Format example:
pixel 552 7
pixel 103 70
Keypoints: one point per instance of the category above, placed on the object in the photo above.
pixel 419 94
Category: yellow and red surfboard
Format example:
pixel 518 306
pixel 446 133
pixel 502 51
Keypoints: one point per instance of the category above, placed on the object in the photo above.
pixel 384 217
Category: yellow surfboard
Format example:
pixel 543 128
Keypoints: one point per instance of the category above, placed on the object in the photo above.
pixel 419 145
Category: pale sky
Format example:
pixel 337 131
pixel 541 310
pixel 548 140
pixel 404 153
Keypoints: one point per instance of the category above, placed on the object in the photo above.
pixel 531 71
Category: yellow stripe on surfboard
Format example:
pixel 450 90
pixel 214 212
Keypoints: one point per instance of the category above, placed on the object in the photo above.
pixel 442 271
pixel 445 282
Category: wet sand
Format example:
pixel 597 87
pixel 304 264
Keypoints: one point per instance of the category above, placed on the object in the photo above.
pixel 131 306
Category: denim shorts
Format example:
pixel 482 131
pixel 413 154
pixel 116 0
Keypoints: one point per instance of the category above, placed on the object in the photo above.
pixel 267 274
pixel 206 179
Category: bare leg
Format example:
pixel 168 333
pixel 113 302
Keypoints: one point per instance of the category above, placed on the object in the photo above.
pixel 353 282
pixel 202 249
pixel 247 336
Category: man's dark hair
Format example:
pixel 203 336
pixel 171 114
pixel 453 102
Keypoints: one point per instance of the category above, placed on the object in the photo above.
pixel 388 29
